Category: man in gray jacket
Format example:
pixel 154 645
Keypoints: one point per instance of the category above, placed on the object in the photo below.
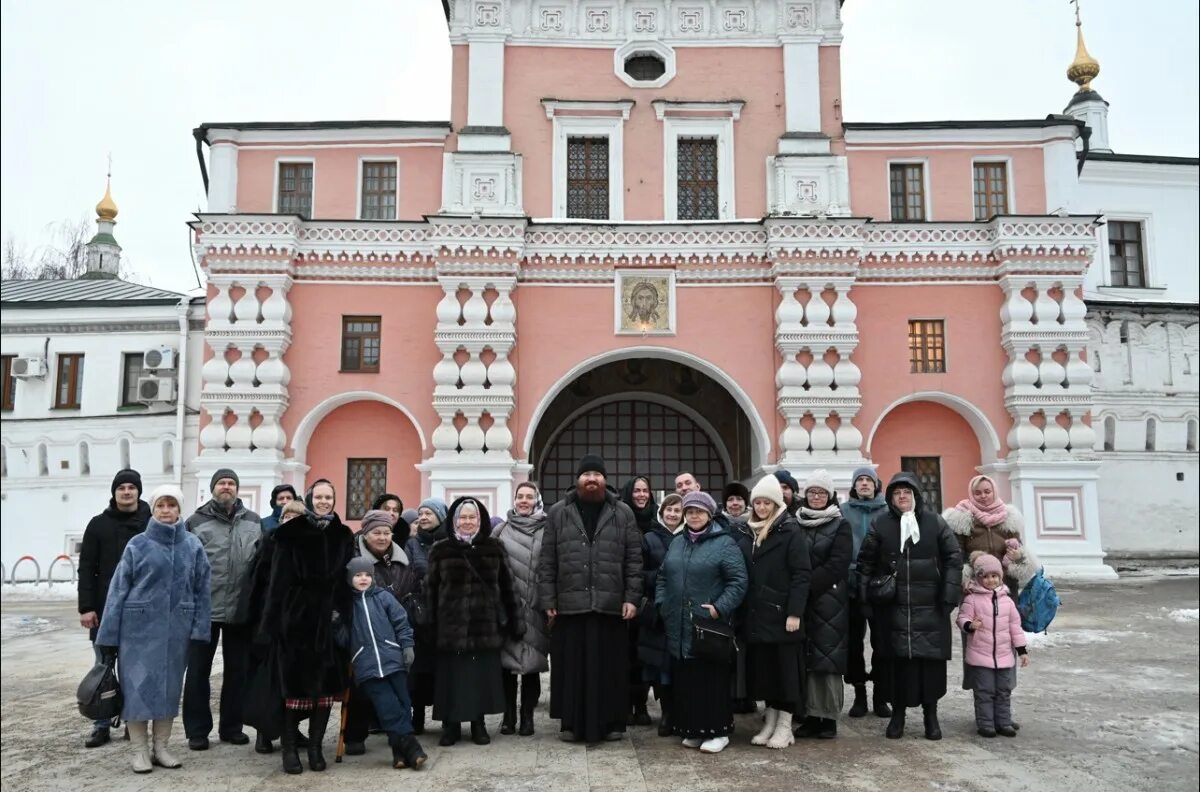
pixel 230 534
pixel 590 584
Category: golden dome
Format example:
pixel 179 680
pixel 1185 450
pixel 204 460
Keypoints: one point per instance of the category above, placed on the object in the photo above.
pixel 1084 68
pixel 107 208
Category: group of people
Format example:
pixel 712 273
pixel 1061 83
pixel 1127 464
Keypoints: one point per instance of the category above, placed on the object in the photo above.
pixel 767 596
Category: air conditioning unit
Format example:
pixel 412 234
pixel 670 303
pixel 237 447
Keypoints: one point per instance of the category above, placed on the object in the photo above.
pixel 156 389
pixel 29 367
pixel 159 359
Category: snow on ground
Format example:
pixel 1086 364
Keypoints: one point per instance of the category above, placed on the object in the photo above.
pixel 1065 639
pixel 34 592
pixel 1184 614
pixel 18 626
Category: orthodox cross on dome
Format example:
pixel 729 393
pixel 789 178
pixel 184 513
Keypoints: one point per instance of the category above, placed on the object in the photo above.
pixel 1084 68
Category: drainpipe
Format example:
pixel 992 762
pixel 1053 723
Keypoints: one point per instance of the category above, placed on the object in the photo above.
pixel 180 397
pixel 200 133
pixel 1086 135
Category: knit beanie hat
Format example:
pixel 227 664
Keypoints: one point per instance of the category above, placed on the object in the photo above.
pixel 820 479
pixel 127 476
pixel 984 564
pixel 375 519
pixel 732 489
pixel 283 488
pixel 359 564
pixel 786 477
pixel 435 505
pixel 591 463
pixel 223 473
pixel 409 516
pixel 699 500
pixel 167 491
pixel 768 487
pixel 870 473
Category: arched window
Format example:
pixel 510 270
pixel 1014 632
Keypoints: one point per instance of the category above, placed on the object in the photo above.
pixel 168 457
pixel 1110 433
pixel 1192 430
pixel 123 446
pixel 3 461
pixel 85 462
pixel 43 462
pixel 1151 434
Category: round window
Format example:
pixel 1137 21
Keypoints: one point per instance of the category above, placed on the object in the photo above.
pixel 645 67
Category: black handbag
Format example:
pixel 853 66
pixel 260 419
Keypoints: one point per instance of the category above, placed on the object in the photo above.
pixel 417 608
pixel 713 640
pixel 881 589
pixel 99 693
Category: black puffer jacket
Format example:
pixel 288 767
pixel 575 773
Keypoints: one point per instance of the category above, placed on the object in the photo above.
pixel 581 576
pixel 827 617
pixel 928 575
pixel 652 636
pixel 779 578
pixel 470 590
pixel 104 541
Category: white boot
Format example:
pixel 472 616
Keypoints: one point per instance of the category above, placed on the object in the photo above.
pixel 771 716
pixel 161 756
pixel 139 740
pixel 782 737
pixel 714 745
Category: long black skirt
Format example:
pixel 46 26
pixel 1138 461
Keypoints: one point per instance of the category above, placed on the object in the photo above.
pixel 700 702
pixel 469 685
pixel 916 682
pixel 589 675
pixel 775 674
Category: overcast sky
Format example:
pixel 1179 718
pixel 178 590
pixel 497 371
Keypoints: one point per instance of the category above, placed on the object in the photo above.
pixel 133 77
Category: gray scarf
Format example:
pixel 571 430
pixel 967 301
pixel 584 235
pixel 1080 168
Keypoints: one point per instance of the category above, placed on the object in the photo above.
pixel 815 518
pixel 526 525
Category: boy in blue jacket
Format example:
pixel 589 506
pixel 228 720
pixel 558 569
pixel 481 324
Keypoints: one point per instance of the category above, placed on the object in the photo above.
pixel 380 641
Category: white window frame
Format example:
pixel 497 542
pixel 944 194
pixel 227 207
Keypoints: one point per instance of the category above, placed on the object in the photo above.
pixel 609 126
pixel 362 164
pixel 275 186
pixel 644 47
pixel 719 128
pixel 926 180
pixel 1009 187
pixel 1146 221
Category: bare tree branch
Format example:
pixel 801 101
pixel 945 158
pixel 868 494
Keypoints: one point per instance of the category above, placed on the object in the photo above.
pixel 63 258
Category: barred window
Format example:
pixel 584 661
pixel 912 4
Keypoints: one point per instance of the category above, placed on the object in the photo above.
pixel 991 189
pixel 361 338
pixel 366 480
pixel 927 346
pixel 697 194
pixel 1126 256
pixel 928 471
pixel 379 191
pixel 296 188
pixel 587 178
pixel 908 191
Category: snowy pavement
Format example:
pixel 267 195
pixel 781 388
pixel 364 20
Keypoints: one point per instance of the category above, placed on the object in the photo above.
pixel 1110 702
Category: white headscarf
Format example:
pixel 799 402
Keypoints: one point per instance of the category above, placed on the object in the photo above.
pixel 909 528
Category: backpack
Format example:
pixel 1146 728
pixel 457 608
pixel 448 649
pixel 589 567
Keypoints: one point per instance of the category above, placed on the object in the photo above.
pixel 99 693
pixel 1038 603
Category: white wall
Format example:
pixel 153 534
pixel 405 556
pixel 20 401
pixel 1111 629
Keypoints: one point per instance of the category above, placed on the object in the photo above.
pixel 1144 510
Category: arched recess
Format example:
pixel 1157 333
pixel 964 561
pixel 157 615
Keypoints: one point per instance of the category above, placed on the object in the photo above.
pixel 308 424
pixel 760 441
pixel 365 448
pixel 989 441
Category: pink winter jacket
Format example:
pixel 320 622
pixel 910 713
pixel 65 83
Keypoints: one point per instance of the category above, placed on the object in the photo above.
pixel 993 644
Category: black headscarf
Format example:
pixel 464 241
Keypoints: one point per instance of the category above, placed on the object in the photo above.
pixel 646 515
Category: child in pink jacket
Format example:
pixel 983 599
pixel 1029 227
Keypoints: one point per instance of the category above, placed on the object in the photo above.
pixel 993 627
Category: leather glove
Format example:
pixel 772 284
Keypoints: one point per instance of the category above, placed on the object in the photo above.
pixel 409 657
pixel 107 653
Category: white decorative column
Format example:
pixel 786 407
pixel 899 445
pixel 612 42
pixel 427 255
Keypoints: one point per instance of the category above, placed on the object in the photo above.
pixel 1047 391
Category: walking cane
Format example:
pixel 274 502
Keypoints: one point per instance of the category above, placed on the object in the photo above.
pixel 341 743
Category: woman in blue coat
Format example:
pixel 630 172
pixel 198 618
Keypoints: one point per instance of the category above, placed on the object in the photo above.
pixel 158 601
pixel 703 577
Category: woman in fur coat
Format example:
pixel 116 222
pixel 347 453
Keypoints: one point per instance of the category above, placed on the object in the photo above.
pixel 525 658
pixel 306 584
pixel 474 612
pixel 984 522
pixel 158 602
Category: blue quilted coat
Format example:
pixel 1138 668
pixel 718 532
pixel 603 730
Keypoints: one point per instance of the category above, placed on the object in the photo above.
pixel 158 601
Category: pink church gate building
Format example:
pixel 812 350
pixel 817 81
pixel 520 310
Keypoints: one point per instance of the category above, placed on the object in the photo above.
pixel 647 231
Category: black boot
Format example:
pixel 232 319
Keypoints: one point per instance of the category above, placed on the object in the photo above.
pixel 895 727
pixel 879 704
pixel 508 724
pixel 827 729
pixel 526 727
pixel 932 730
pixel 301 740
pixel 809 727
pixel 412 753
pixel 287 744
pixel 479 734
pixel 664 699
pixel 530 693
pixel 638 694
pixel 418 719
pixel 451 733
pixel 262 745
pixel 859 708
pixel 99 736
pixel 318 719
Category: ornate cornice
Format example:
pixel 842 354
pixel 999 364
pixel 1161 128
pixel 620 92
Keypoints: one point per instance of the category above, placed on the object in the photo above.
pixel 106 328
